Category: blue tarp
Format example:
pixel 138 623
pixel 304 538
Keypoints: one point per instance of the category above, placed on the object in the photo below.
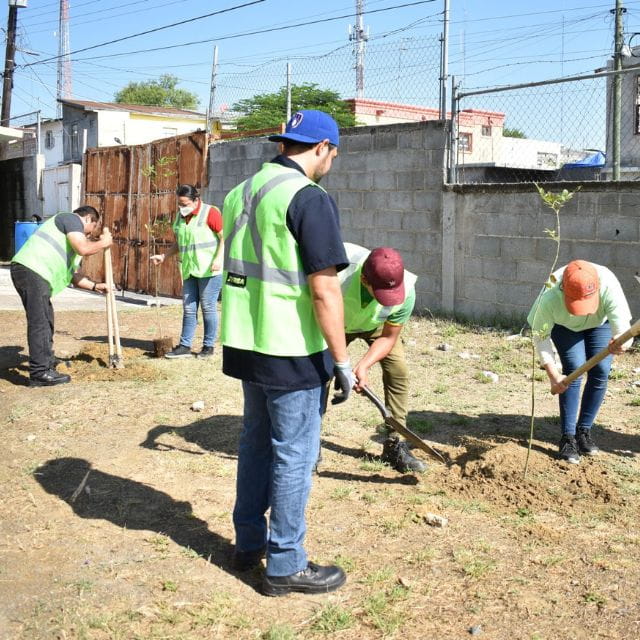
pixel 596 159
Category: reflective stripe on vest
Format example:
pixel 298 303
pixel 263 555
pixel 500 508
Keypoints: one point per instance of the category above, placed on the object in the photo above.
pixel 197 244
pixel 260 270
pixel 49 253
pixel 267 301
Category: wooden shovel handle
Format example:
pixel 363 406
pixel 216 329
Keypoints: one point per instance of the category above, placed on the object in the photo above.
pixel 631 332
pixel 107 264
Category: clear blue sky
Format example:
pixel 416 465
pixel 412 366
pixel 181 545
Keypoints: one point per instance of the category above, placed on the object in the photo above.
pixel 491 42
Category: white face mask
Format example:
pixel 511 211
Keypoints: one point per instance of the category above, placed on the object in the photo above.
pixel 185 211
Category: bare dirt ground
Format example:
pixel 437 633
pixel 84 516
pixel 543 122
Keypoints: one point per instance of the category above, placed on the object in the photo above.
pixel 140 547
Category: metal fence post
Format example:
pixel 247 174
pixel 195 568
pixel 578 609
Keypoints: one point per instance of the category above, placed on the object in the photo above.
pixel 453 133
pixel 288 92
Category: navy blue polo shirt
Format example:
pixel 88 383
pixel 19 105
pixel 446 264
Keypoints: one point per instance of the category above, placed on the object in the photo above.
pixel 314 221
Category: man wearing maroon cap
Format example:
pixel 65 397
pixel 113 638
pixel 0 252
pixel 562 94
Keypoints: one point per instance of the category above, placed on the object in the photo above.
pixel 581 310
pixel 379 296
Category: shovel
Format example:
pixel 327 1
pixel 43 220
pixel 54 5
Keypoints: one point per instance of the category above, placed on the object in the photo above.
pixel 115 349
pixel 398 427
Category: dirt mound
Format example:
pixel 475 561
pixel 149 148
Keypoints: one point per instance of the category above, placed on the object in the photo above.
pixel 92 363
pixel 496 474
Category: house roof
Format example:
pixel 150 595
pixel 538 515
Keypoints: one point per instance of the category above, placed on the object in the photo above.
pixel 89 105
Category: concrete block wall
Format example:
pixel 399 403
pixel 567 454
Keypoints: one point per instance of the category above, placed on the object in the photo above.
pixel 503 255
pixel 387 182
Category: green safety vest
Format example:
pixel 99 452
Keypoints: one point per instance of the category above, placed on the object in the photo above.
pixel 197 244
pixel 357 318
pixel 49 253
pixel 267 304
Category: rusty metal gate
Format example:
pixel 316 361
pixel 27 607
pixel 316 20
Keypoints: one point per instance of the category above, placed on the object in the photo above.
pixel 134 189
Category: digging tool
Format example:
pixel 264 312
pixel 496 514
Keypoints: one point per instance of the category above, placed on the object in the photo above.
pixel 115 349
pixel 398 427
pixel 631 332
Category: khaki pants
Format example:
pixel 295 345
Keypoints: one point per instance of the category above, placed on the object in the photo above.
pixel 395 374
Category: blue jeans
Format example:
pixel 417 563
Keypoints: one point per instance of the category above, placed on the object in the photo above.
pixel 574 349
pixel 279 445
pixel 203 292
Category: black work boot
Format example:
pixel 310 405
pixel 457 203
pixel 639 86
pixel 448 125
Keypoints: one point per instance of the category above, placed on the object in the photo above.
pixel 569 449
pixel 396 453
pixel 585 444
pixel 48 378
pixel 245 560
pixel 313 579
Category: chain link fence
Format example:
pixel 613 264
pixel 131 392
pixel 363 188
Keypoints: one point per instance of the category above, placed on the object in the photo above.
pixel 404 70
pixel 563 129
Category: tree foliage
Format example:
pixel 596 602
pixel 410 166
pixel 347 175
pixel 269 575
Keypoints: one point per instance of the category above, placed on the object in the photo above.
pixel 507 132
pixel 268 110
pixel 159 93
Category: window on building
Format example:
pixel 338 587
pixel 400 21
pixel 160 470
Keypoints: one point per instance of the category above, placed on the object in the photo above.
pixel 486 130
pixel 637 122
pixel 49 140
pixel 75 145
pixel 465 141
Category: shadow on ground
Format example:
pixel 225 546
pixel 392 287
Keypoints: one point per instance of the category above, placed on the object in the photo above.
pixel 133 505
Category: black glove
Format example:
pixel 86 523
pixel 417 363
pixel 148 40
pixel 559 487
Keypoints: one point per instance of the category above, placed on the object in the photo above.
pixel 344 381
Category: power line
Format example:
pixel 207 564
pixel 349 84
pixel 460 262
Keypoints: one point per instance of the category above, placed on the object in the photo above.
pixel 156 29
pixel 237 35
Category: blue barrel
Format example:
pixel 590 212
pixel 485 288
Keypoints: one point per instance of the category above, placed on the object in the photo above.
pixel 23 230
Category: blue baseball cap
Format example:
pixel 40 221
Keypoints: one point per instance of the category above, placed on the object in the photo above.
pixel 309 126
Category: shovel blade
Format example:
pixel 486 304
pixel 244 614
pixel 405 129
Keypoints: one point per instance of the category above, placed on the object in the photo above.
pixel 413 438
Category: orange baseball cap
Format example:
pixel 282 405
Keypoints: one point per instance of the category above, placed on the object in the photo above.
pixel 581 287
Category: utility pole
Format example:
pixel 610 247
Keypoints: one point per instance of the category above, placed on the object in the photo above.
pixel 617 89
pixel 9 60
pixel 444 62
pixel 288 92
pixel 63 84
pixel 360 36
pixel 212 90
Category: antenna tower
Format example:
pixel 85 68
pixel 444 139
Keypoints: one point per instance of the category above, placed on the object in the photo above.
pixel 359 36
pixel 64 61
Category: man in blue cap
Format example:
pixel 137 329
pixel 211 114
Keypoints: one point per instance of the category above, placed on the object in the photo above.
pixel 283 336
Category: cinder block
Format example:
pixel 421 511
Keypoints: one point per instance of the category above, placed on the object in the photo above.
pixel 533 272
pixel 402 241
pixel 384 180
pixel 484 246
pixel 577 227
pixel 517 247
pixel 501 224
pixel 376 200
pixel 401 201
pixel 384 141
pixel 427 201
pixel 353 162
pixel 411 140
pixel 625 256
pixel 250 166
pixel 357 236
pixel 514 293
pixel 480 290
pixel 356 143
pixel 359 181
pixel 335 181
pixel 499 269
pixel 350 199
pixel 419 221
pixel 229 181
pixel 362 219
pixel 410 179
pixel 388 219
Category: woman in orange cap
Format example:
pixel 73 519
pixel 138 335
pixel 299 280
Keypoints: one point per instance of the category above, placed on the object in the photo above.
pixel 580 312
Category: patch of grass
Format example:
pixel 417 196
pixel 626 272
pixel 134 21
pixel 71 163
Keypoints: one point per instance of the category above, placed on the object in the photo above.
pixel 380 610
pixel 332 618
pixel 345 562
pixel 440 388
pixel 595 598
pixel 373 465
pixel 377 576
pixel 369 498
pixel 481 377
pixel 83 586
pixel 159 543
pixel 421 557
pixel 635 402
pixel 279 632
pixel 340 493
pixel 169 585
pixel 472 564
pixel 617 374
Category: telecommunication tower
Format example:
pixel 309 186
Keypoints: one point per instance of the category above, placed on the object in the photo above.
pixel 359 36
pixel 64 61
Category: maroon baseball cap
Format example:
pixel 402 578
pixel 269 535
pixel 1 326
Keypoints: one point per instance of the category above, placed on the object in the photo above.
pixel 384 271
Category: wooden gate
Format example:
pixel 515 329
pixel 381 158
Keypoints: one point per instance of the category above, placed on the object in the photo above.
pixel 134 187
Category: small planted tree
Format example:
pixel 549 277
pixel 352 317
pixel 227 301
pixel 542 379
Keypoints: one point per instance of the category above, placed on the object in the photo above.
pixel 157 230
pixel 555 202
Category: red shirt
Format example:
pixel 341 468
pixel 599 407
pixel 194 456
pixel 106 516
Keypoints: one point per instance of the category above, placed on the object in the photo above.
pixel 214 221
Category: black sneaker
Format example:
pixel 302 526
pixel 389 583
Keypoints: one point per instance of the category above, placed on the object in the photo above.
pixel 585 444
pixel 48 378
pixel 245 560
pixel 207 352
pixel 179 352
pixel 313 579
pixel 396 453
pixel 569 449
